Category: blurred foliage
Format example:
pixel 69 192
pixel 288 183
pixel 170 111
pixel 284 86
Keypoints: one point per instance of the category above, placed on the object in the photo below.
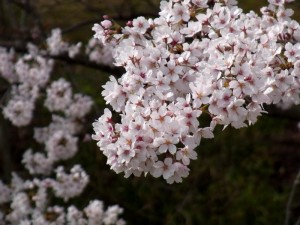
pixel 241 176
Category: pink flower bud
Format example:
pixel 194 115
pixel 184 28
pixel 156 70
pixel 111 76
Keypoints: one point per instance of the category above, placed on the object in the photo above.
pixel 129 24
pixel 106 24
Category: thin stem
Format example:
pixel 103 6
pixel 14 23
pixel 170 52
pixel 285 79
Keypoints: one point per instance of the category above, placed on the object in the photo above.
pixel 290 201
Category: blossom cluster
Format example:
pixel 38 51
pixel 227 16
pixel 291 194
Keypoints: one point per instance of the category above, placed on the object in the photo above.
pixel 27 77
pixel 197 58
pixel 28 202
pixel 56 45
pixel 32 83
pixel 30 88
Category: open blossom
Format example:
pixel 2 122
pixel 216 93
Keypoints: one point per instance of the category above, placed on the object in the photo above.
pixel 94 211
pixel 185 154
pixel 113 94
pixel 140 25
pixel 292 52
pixel 165 169
pixel 5 193
pixel 59 95
pixel 19 112
pixel 7 69
pixel 99 53
pixel 55 43
pixel 166 143
pixel 34 74
pixel 58 124
pixel 21 208
pixel 111 215
pixel 74 216
pixel 57 46
pixel 37 163
pixel 80 106
pixel 197 58
pixel 61 146
pixel 181 171
pixel 69 185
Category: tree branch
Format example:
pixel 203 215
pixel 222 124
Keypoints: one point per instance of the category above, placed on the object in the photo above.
pixel 67 59
pixel 87 63
pixel 292 114
pixel 97 20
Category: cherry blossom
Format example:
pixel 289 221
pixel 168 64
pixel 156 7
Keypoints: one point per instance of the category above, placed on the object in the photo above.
pixel 196 58
pixel 30 87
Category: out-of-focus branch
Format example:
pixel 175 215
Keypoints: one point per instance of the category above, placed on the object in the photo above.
pixel 87 63
pixel 67 59
pixel 292 114
pixel 80 25
pixel 97 20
